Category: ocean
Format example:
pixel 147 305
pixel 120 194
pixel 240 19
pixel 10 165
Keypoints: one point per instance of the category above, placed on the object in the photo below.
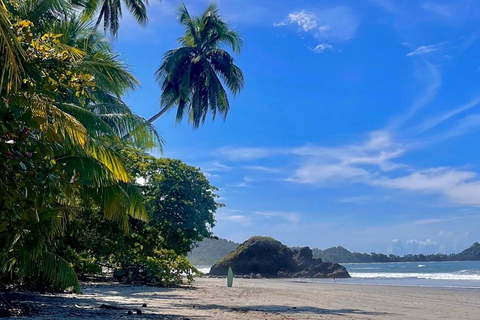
pixel 451 274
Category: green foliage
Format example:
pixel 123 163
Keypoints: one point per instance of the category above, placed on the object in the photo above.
pixel 57 150
pixel 179 199
pixel 164 268
pixel 192 77
pixel 180 204
pixel 209 251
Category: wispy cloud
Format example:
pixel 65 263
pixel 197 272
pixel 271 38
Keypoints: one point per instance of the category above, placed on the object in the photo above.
pixel 322 47
pixel 435 121
pixel 292 217
pixel 364 199
pixel 435 220
pixel 245 153
pixel 233 216
pixel 430 78
pixel 424 50
pixel 262 169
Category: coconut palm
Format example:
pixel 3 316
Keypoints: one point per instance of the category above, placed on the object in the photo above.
pixel 110 11
pixel 192 77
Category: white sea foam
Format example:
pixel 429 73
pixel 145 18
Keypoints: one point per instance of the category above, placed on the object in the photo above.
pixel 204 269
pixel 433 276
pixel 421 265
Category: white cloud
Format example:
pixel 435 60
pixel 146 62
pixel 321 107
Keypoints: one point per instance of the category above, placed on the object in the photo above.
pixel 437 179
pixel 322 47
pixel 330 25
pixel 306 20
pixel 424 50
pixel 323 174
pixel 458 186
pixel 414 246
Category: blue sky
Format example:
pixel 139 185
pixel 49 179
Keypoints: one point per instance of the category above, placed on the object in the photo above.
pixel 358 126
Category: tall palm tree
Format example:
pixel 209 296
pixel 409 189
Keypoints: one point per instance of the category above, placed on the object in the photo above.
pixel 192 77
pixel 110 11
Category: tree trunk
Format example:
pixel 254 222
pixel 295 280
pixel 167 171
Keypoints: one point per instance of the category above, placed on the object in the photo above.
pixel 155 117
pixel 158 115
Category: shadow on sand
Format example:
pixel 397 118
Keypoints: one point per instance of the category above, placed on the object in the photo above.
pixel 276 309
pixel 91 304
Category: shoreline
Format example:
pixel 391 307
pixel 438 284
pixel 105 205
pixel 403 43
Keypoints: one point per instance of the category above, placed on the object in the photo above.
pixel 210 298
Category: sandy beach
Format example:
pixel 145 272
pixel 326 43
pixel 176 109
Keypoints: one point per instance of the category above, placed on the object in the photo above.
pixel 258 299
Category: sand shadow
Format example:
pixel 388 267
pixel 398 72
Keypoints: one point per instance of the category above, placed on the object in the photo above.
pixel 88 306
pixel 274 309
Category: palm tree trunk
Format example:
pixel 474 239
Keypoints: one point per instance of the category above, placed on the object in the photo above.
pixel 155 117
pixel 158 115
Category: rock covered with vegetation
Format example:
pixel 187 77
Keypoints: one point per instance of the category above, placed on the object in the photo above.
pixel 267 257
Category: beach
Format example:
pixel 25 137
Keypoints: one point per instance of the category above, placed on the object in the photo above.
pixel 210 298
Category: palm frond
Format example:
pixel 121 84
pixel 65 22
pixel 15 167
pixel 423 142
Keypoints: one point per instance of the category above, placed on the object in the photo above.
pixel 11 53
pixel 109 158
pixel 58 270
pixel 138 9
pixel 94 124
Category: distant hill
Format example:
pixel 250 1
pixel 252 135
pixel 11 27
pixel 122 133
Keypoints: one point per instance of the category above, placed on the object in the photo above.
pixel 342 255
pixel 470 254
pixel 335 254
pixel 209 251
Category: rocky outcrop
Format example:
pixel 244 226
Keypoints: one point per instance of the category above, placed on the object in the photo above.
pixel 267 257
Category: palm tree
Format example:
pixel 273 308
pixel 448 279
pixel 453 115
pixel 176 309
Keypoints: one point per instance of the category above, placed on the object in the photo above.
pixel 111 12
pixel 192 77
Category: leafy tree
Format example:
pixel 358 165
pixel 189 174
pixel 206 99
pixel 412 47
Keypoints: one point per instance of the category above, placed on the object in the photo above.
pixel 181 206
pixel 192 76
pixel 58 143
pixel 179 199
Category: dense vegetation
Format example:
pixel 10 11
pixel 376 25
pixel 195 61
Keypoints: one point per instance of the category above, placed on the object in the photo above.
pixel 73 152
pixel 209 251
pixel 342 255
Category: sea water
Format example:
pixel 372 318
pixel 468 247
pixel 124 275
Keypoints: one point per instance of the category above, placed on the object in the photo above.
pixel 453 274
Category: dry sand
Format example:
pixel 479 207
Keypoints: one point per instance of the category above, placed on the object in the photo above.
pixel 259 299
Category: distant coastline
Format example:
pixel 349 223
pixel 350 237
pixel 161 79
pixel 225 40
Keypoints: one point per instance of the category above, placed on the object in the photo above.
pixel 209 251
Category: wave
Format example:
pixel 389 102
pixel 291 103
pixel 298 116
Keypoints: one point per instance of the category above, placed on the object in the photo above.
pixel 421 265
pixel 364 268
pixel 432 276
